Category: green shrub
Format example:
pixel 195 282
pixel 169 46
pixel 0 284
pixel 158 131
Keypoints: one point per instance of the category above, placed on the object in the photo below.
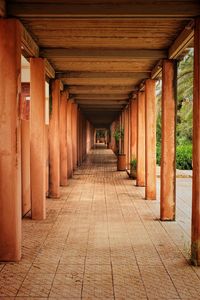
pixel 158 154
pixel 184 157
pixel 133 163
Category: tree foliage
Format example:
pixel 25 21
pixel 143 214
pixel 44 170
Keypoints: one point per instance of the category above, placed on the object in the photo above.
pixel 184 113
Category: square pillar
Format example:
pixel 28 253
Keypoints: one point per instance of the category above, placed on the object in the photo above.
pixel 140 181
pixel 63 138
pixel 54 142
pixel 126 136
pixel 37 136
pixel 74 135
pixel 69 138
pixel 10 147
pixel 133 128
pixel 195 247
pixel 150 139
pixel 168 155
pixel 25 148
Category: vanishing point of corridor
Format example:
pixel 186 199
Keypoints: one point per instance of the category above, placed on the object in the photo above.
pixel 102 240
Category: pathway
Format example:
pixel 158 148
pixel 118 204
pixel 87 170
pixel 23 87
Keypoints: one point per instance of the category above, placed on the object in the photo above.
pixel 101 240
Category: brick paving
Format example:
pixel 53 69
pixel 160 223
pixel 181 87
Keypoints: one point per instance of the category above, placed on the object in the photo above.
pixel 102 240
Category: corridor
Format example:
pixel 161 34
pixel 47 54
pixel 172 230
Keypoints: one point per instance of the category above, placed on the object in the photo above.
pixel 101 240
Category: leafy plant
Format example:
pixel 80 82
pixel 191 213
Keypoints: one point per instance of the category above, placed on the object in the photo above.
pixel 158 154
pixel 133 163
pixel 119 136
pixel 184 157
pixel 184 114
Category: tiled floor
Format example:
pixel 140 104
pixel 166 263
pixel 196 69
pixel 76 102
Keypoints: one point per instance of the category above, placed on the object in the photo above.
pixel 101 240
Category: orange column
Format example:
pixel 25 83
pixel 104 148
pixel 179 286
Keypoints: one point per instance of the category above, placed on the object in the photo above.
pixel 25 147
pixel 168 156
pixel 126 119
pixel 150 144
pixel 195 247
pixel 37 133
pixel 133 129
pixel 84 138
pixel 10 164
pixel 128 138
pixel 81 138
pixel 78 137
pixel 63 138
pixel 129 135
pixel 47 159
pixel 26 190
pixel 140 181
pixel 123 126
pixel 74 135
pixel 69 138
pixel 54 142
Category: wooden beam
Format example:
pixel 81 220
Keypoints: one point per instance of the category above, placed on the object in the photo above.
pixel 103 54
pixel 182 41
pixel 138 9
pixel 156 72
pixel 101 109
pixel 101 81
pixel 2 8
pixel 101 75
pixel 175 51
pixel 88 96
pixel 94 105
pixel 102 102
pixel 29 46
pixel 49 69
pixel 103 89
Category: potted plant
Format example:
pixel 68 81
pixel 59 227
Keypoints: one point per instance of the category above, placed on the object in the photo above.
pixel 133 168
pixel 121 157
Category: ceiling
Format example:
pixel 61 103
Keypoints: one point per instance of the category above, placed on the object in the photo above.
pixel 102 50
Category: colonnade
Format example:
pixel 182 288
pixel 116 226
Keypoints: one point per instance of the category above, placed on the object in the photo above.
pixel 139 122
pixel 52 152
pixel 35 158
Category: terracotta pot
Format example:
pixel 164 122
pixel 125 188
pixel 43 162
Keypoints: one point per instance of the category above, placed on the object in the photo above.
pixel 121 162
pixel 133 173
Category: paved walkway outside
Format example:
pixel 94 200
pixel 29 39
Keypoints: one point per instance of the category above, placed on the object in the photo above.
pixel 179 173
pixel 101 240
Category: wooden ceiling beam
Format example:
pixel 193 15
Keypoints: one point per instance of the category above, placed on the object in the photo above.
pixel 138 66
pixel 102 89
pixel 140 8
pixel 30 49
pixel 100 78
pixel 28 45
pixel 102 102
pixel 101 109
pixel 103 54
pixel 103 75
pixel 88 96
pixel 101 81
pixel 50 70
pixel 177 48
pixel 102 105
pixel 156 72
pixel 182 41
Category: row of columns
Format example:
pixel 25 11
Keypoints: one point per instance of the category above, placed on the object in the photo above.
pixel 138 120
pixel 35 158
pixel 142 142
pixel 139 123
